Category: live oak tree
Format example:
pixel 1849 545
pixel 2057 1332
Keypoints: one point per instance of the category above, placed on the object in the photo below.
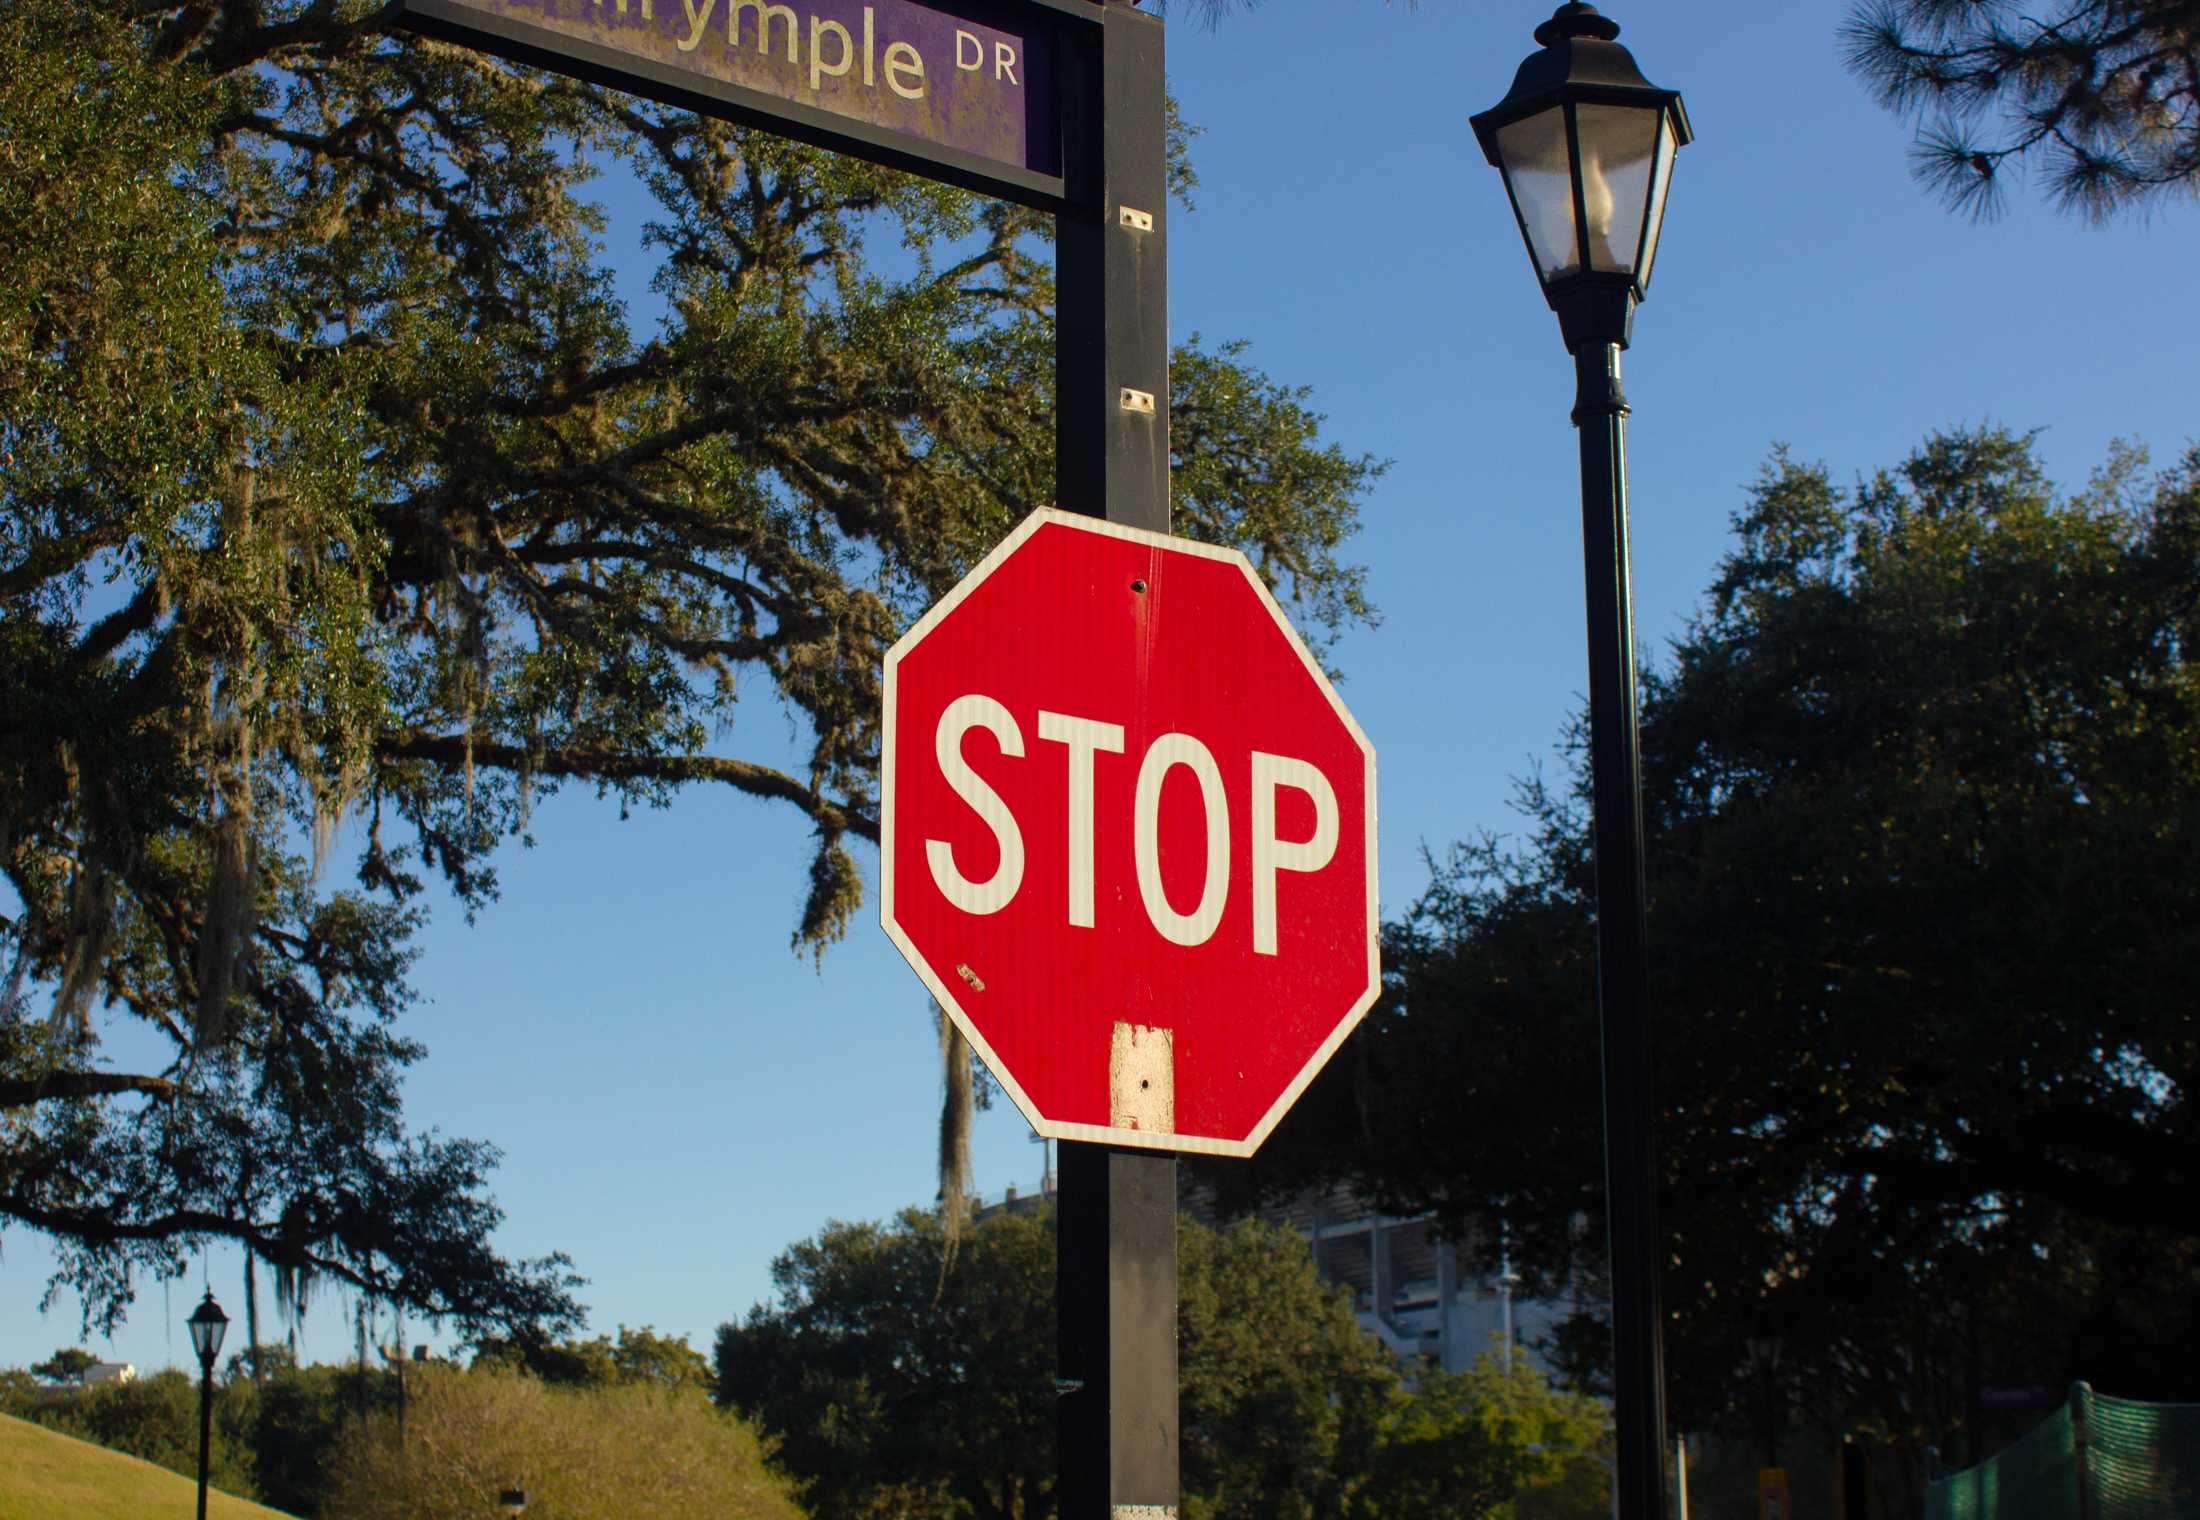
pixel 1922 792
pixel 2101 96
pixel 348 513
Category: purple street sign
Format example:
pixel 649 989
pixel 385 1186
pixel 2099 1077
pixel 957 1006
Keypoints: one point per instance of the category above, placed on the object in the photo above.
pixel 969 77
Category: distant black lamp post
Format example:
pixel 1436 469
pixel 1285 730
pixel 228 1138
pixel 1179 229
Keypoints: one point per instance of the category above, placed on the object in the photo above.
pixel 1764 1358
pixel 207 1324
pixel 1586 146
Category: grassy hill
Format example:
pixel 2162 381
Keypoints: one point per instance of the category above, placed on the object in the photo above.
pixel 48 1476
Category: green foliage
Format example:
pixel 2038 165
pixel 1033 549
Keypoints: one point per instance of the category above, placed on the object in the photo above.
pixel 1283 1397
pixel 22 1395
pixel 186 570
pixel 340 492
pixel 1491 1443
pixel 2102 95
pixel 890 1389
pixel 157 1418
pixel 1922 789
pixel 638 1435
pixel 1246 474
pixel 582 1453
pixel 66 1365
pixel 629 1429
pixel 637 1358
pixel 300 1415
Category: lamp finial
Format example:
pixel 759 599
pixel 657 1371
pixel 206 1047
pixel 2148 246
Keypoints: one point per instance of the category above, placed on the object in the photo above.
pixel 1576 18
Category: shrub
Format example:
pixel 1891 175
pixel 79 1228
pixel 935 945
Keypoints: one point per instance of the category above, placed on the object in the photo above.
pixel 581 1453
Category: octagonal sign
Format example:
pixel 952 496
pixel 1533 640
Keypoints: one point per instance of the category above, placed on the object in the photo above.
pixel 1128 836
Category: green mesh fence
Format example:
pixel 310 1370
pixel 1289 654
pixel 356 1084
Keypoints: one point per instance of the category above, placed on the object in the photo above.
pixel 2036 1479
pixel 2095 1458
pixel 2142 1460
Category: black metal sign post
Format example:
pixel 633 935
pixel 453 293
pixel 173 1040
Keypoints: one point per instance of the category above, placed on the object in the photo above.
pixel 1115 1216
pixel 1111 364
pixel 1056 104
pixel 1115 1280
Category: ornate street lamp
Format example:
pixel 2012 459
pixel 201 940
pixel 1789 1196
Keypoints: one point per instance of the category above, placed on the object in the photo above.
pixel 207 1324
pixel 1586 146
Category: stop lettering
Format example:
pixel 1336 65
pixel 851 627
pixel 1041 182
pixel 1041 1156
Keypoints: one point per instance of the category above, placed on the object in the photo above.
pixel 1128 836
pixel 1083 740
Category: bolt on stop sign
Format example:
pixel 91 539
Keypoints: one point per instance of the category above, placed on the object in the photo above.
pixel 1128 836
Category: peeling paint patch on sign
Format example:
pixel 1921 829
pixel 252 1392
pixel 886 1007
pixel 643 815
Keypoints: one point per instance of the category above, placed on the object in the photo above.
pixel 1142 1079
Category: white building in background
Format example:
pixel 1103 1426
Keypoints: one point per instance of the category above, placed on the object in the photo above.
pixel 108 1372
pixel 1409 1288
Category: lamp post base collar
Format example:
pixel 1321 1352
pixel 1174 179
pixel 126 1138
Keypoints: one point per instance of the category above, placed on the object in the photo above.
pixel 1597 393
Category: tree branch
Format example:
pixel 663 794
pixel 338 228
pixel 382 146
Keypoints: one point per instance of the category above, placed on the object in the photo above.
pixel 23 1092
pixel 602 764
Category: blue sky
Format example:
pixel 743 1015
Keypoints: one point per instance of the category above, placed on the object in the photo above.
pixel 678 1095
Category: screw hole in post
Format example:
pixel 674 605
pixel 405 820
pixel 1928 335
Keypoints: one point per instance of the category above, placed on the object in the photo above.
pixel 1138 586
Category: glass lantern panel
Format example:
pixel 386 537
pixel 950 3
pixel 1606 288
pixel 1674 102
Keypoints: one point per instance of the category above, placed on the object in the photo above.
pixel 206 1336
pixel 1617 149
pixel 1535 158
pixel 1659 178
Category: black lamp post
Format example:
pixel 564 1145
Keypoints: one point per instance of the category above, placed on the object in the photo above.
pixel 1586 146
pixel 207 1324
pixel 1764 1358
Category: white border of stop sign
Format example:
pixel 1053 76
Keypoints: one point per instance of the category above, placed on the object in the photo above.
pixel 1141 1063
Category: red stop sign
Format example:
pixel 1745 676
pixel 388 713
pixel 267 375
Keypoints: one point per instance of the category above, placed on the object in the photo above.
pixel 1128 836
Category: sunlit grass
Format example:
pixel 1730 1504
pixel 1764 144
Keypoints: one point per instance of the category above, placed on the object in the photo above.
pixel 44 1475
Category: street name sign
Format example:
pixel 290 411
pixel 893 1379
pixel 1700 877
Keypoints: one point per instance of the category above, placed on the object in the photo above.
pixel 967 91
pixel 1128 836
